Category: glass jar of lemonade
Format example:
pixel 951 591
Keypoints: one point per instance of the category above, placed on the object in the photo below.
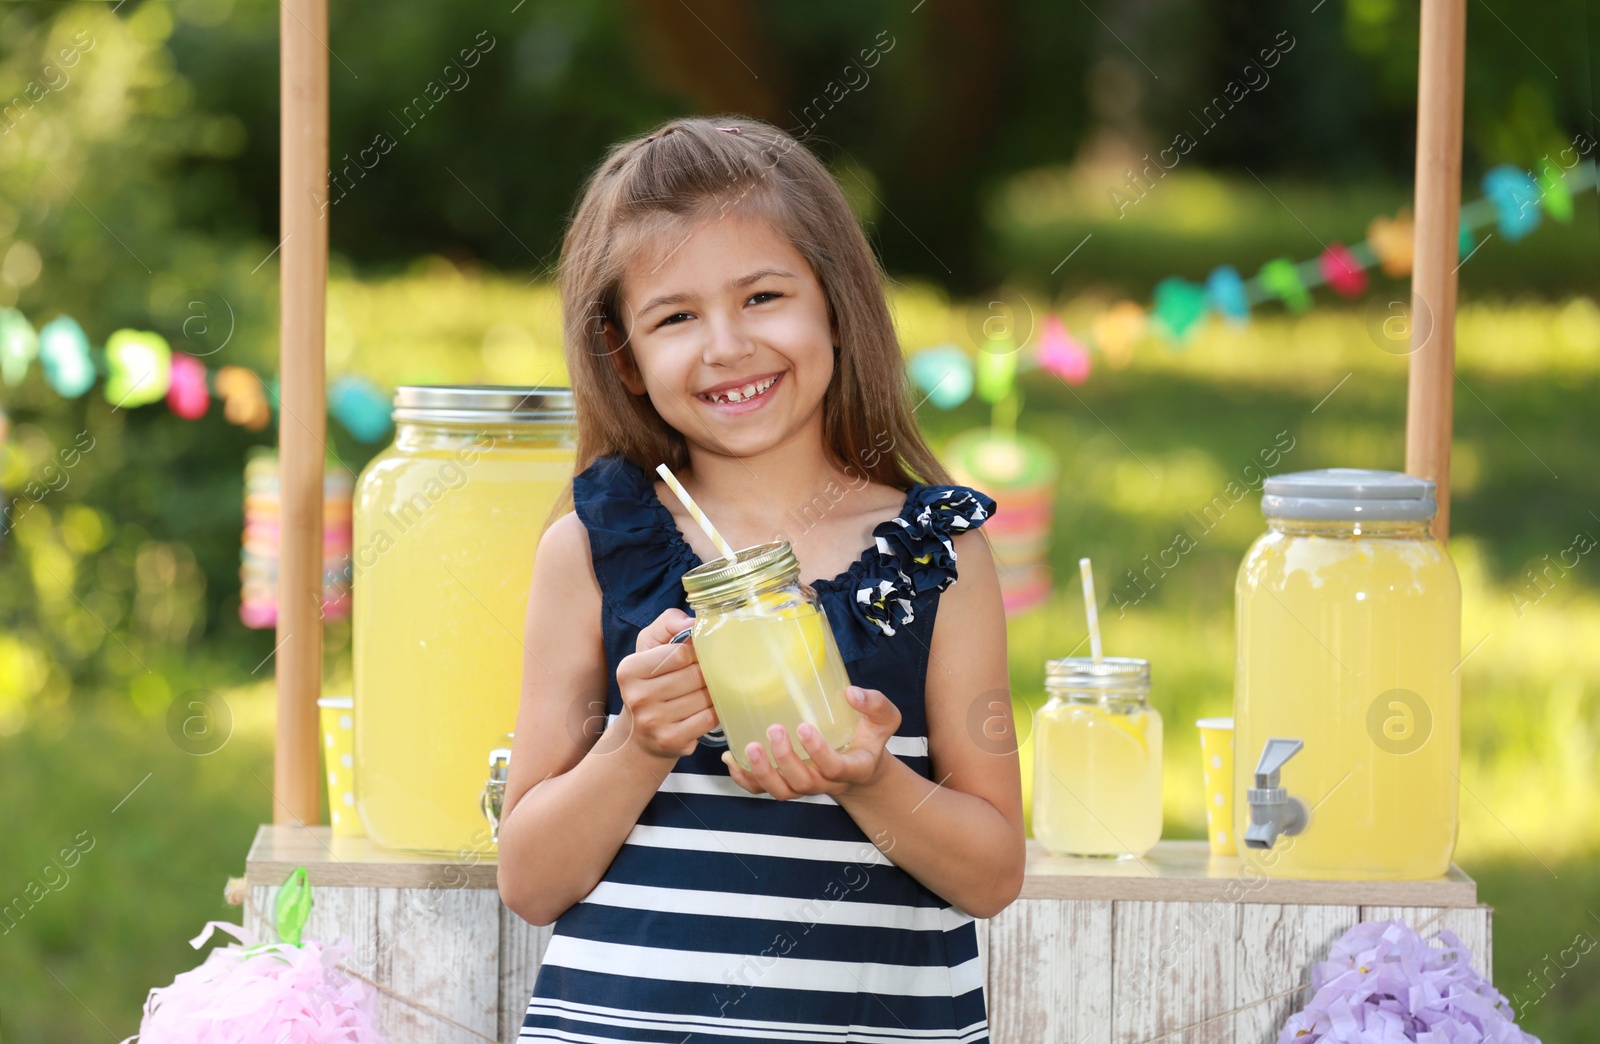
pixel 446 522
pixel 1097 759
pixel 766 651
pixel 1349 635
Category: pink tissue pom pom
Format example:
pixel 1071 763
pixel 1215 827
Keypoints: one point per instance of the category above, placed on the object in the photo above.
pixel 281 994
pixel 1382 983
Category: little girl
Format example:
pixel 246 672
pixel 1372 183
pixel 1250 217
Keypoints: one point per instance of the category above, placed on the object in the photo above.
pixel 725 315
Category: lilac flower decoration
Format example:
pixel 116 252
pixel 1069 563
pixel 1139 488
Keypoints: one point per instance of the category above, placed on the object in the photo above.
pixel 1382 984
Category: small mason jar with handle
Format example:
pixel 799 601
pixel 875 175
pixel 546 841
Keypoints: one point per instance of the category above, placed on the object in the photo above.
pixel 766 651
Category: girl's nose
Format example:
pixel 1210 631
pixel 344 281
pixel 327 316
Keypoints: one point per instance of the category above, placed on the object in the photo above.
pixel 727 342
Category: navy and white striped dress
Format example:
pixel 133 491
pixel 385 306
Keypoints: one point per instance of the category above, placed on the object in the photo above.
pixel 728 915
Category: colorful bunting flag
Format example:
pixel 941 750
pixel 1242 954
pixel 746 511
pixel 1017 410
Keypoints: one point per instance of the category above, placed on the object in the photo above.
pixel 1226 292
pixel 997 369
pixel 19 345
pixel 244 402
pixel 64 355
pixel 1060 354
pixel 1343 272
pixel 138 367
pixel 1179 307
pixel 1392 239
pixel 1116 329
pixel 1280 277
pixel 187 395
pixel 1515 196
pixel 944 373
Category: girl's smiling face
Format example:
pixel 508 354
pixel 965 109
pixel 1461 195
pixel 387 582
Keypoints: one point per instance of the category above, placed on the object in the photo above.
pixel 730 336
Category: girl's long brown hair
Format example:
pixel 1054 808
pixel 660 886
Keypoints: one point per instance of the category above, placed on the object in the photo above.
pixel 694 169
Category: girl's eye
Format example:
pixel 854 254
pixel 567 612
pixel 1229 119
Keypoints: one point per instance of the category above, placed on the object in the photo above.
pixel 760 297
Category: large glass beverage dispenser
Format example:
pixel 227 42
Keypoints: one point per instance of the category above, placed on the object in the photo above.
pixel 1346 697
pixel 446 522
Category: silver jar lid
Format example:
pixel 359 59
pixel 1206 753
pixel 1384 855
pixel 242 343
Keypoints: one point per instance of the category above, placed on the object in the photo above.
pixel 482 404
pixel 1346 494
pixel 1082 672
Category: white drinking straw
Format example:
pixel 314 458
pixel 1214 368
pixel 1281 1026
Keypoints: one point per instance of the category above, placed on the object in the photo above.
pixel 1088 607
pixel 695 512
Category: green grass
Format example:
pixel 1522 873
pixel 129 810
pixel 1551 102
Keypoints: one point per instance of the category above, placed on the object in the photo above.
pixel 1547 942
pixel 161 829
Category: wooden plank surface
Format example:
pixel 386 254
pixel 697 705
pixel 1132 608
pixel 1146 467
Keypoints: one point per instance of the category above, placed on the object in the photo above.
pixel 348 914
pixel 1273 955
pixel 1172 972
pixel 1186 871
pixel 1174 871
pixel 522 948
pixel 358 862
pixel 1049 973
pixel 440 949
pixel 453 964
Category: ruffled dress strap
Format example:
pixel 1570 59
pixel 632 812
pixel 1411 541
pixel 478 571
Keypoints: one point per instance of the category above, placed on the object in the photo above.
pixel 912 554
pixel 638 554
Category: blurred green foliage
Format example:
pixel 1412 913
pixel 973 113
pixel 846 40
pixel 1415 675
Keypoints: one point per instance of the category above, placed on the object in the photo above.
pixel 138 187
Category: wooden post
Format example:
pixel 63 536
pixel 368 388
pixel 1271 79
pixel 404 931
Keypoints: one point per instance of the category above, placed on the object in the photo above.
pixel 302 412
pixel 1431 392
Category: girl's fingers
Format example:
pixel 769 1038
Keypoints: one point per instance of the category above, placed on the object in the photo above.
pixel 662 629
pixel 878 708
pixel 829 763
pixel 691 701
pixel 787 762
pixel 767 774
pixel 698 724
pixel 740 776
pixel 801 777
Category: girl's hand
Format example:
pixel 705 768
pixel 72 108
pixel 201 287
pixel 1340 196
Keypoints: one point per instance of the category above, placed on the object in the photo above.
pixel 663 692
pixel 829 772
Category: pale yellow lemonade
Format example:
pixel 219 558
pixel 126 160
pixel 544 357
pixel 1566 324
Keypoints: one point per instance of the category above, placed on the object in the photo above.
pixel 1350 643
pixel 1097 778
pixel 774 660
pixel 440 603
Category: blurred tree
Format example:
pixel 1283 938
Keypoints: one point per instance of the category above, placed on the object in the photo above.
pixel 486 159
pixel 111 556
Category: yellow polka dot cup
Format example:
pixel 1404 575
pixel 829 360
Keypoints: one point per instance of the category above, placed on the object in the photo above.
pixel 1216 760
pixel 338 758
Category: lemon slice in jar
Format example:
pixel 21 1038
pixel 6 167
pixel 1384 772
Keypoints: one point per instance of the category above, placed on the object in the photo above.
pixel 810 625
pixel 1129 725
pixel 798 645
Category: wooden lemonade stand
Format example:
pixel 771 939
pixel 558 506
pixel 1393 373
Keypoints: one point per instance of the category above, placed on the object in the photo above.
pixel 1179 946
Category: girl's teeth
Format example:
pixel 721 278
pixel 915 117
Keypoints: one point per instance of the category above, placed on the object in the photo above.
pixel 749 391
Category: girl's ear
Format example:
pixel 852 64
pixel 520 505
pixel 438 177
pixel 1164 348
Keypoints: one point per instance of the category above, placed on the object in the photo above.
pixel 621 356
